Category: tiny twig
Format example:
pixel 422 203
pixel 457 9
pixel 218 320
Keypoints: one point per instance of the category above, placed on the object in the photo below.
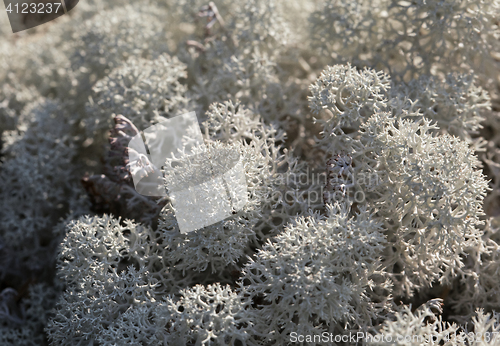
pixel 196 44
pixel 211 12
pixel 216 13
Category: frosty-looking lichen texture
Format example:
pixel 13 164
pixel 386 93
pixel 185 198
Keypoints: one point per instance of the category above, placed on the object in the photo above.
pixel 320 271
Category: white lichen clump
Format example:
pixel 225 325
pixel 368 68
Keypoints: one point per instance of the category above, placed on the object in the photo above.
pixel 319 272
pixel 144 91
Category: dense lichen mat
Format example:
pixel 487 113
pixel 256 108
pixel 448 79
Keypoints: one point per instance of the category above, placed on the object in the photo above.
pixel 340 176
